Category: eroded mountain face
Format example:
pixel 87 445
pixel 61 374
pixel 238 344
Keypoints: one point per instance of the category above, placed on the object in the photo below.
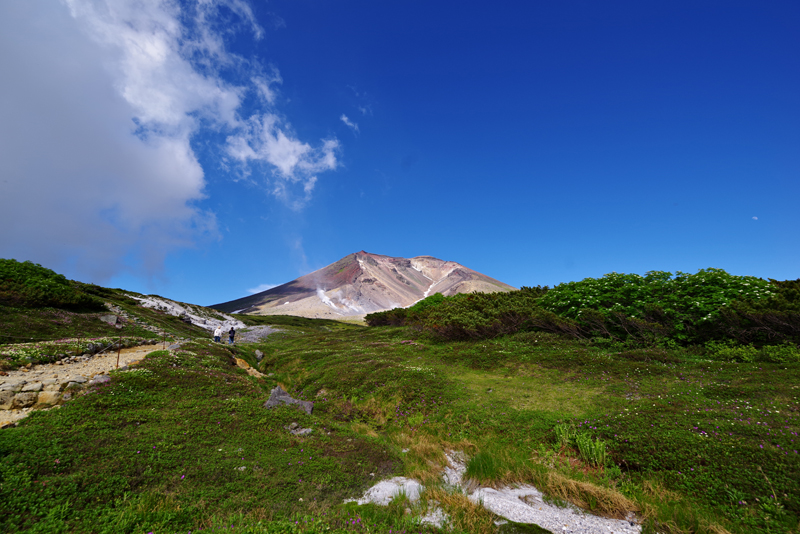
pixel 362 283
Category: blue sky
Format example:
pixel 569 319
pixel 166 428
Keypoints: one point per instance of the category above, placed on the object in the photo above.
pixel 202 151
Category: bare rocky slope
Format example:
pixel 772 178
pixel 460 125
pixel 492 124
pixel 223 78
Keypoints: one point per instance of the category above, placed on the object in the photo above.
pixel 363 283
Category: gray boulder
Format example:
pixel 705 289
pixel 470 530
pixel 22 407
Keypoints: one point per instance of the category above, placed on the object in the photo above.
pixel 6 397
pixel 23 400
pixel 99 379
pixel 110 319
pixel 278 397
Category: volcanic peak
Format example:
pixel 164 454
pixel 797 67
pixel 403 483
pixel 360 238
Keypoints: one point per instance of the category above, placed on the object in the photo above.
pixel 362 283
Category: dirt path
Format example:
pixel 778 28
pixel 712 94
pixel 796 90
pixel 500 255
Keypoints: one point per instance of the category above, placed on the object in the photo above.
pixel 43 386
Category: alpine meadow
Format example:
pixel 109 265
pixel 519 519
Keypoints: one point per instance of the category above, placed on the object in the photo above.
pixel 669 400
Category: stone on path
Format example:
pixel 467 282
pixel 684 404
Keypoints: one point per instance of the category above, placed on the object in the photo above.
pixel 48 398
pixel 6 396
pixel 23 400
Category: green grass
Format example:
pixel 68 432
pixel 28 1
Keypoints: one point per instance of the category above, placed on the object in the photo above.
pixel 695 444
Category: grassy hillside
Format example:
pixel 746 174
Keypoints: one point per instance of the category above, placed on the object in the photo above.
pixel 695 438
pixel 43 313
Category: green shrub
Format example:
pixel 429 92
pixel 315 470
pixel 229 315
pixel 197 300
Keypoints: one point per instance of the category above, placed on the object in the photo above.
pixel 651 308
pixel 488 315
pixel 769 320
pixel 785 353
pixel 394 317
pixel 29 285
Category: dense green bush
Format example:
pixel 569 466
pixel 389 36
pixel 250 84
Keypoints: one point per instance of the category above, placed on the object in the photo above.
pixel 29 285
pixel 658 309
pixel 394 317
pixel 659 305
pixel 730 351
pixel 770 320
pixel 477 315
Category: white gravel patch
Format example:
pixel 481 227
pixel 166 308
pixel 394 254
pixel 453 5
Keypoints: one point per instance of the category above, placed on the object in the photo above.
pixel 384 491
pixel 521 504
pixel 508 503
pixel 197 314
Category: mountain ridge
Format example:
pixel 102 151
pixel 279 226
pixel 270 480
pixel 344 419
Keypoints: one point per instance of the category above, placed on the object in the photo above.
pixel 364 282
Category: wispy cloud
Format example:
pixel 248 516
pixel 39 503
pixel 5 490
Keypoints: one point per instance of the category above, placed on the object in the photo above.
pixel 101 101
pixel 260 288
pixel 349 123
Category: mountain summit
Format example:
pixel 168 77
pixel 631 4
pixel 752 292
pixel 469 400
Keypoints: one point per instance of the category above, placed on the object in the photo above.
pixel 363 283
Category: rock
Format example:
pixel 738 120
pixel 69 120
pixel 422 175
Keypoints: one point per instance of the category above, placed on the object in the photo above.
pixel 12 386
pixel 174 346
pixel 52 385
pixel 33 386
pixel 322 393
pixel 23 400
pixel 6 396
pixel 78 379
pixel 279 397
pixel 48 398
pixel 99 379
pixel 246 366
pixel 259 355
pixel 110 319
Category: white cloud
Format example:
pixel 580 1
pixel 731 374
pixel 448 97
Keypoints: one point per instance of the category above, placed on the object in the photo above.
pixel 266 139
pixel 755 218
pixel 100 101
pixel 349 123
pixel 260 288
pixel 263 85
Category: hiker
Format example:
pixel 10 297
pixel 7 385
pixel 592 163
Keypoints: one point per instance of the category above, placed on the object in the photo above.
pixel 218 334
pixel 230 336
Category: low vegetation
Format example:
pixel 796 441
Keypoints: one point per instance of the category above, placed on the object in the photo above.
pixel 693 437
pixel 29 285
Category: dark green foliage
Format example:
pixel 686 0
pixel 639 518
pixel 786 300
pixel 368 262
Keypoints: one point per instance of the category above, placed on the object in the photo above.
pixel 658 309
pixel 477 315
pixel 658 306
pixel 29 285
pixel 394 317
pixel 771 320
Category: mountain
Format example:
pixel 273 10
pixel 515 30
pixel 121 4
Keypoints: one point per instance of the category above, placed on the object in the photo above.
pixel 363 283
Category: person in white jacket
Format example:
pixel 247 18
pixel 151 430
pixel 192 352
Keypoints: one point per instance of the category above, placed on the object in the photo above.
pixel 218 334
